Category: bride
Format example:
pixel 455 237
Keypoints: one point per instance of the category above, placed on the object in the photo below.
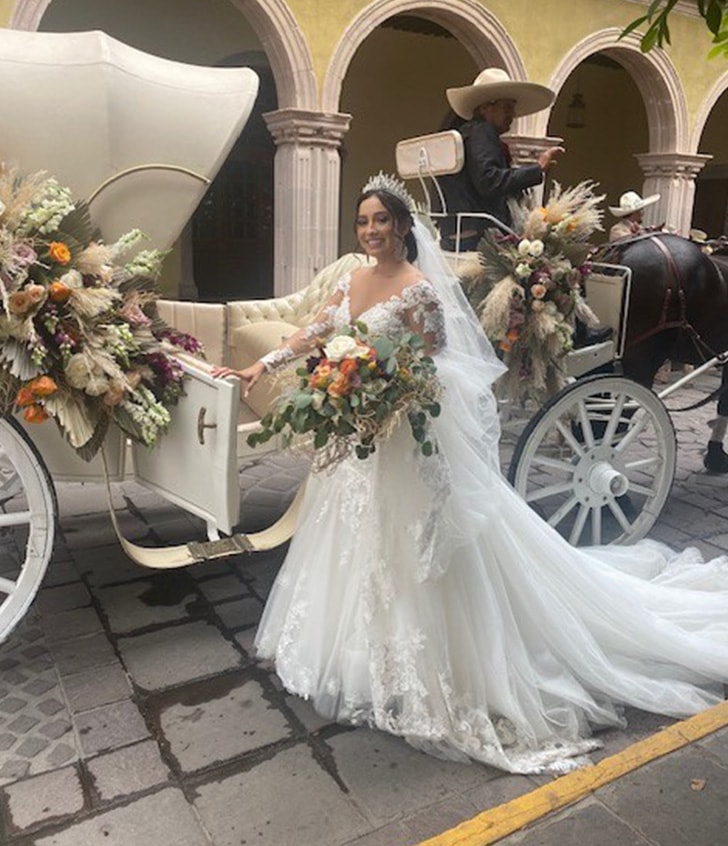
pixel 422 596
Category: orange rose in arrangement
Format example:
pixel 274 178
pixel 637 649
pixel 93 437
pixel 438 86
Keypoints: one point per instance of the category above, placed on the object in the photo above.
pixel 511 337
pixel 349 366
pixel 58 292
pixel 340 387
pixel 321 377
pixel 35 414
pixel 59 252
pixel 24 398
pixel 43 386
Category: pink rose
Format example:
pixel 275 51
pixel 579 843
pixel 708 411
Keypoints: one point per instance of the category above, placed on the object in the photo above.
pixel 24 254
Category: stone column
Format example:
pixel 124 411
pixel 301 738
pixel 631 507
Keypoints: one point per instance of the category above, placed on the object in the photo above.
pixel 525 149
pixel 672 176
pixel 307 178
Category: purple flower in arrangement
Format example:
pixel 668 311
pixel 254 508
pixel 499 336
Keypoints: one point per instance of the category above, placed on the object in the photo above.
pixel 132 313
pixel 185 342
pixel 166 370
pixel 312 362
pixel 24 254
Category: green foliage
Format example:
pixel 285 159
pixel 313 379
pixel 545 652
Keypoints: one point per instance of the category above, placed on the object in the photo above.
pixel 657 34
pixel 354 399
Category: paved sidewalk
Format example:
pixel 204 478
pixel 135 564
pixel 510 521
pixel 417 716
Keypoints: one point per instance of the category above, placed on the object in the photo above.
pixel 132 711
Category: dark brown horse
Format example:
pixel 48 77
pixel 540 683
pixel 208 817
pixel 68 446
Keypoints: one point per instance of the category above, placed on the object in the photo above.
pixel 678 310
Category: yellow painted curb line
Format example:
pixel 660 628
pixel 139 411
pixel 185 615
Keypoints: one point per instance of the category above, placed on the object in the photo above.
pixel 499 822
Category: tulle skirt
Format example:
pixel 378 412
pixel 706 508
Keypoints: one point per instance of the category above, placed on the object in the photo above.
pixel 424 597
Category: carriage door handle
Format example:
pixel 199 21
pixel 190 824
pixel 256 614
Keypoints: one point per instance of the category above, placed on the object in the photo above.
pixel 201 425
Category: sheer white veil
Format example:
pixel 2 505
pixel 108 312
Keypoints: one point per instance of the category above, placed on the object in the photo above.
pixel 468 430
pixel 465 335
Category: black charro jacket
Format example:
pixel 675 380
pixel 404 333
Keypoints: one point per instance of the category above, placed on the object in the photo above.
pixel 487 179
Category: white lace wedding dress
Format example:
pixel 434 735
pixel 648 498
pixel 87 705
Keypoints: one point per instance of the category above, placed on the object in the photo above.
pixel 424 597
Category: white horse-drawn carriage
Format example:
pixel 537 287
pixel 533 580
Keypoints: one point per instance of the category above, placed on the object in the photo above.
pixel 141 138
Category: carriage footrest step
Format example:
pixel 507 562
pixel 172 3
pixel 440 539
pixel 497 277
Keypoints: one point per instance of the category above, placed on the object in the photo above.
pixel 205 550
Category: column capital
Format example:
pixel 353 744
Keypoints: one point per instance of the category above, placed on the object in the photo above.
pixel 298 126
pixel 672 165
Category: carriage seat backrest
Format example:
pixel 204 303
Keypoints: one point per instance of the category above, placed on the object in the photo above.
pixel 429 156
pixel 604 293
pixel 205 321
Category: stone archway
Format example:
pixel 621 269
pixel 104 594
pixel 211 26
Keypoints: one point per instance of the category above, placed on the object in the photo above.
pixel 653 73
pixel 476 28
pixel 670 165
pixel 706 107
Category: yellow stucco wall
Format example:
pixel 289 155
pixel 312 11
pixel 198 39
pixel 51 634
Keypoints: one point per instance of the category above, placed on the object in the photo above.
pixel 6 10
pixel 544 33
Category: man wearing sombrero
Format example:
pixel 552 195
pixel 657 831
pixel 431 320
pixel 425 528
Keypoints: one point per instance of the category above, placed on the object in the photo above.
pixel 629 212
pixel 488 180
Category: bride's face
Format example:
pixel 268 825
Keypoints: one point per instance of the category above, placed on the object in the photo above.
pixel 375 229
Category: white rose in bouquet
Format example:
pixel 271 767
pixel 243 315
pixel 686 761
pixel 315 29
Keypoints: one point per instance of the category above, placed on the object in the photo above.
pixel 342 346
pixel 535 248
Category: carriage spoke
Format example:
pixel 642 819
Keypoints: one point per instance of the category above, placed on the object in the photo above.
pixel 642 463
pixel 560 513
pixel 596 526
pixel 549 490
pixel 552 463
pixel 586 428
pixel 641 489
pixel 579 524
pixel 15 518
pixel 619 514
pixel 614 418
pixel 637 429
pixel 570 439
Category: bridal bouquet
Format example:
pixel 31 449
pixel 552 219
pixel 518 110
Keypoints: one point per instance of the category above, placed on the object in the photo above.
pixel 353 393
pixel 80 339
pixel 528 288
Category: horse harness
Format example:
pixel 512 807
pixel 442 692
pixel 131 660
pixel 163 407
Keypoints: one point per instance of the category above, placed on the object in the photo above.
pixel 674 291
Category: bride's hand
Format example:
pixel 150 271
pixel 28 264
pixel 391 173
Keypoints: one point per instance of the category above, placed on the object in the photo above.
pixel 250 375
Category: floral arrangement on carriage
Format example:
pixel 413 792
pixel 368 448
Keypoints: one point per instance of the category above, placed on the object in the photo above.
pixel 80 339
pixel 527 288
pixel 352 394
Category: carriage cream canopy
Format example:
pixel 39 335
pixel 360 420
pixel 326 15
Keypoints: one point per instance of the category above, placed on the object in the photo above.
pixel 85 108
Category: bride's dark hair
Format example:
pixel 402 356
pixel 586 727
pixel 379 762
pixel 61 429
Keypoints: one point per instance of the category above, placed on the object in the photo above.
pixel 401 216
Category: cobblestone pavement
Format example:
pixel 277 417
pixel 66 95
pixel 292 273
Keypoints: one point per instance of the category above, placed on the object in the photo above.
pixel 133 712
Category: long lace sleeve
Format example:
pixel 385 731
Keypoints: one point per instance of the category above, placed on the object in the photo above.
pixel 307 337
pixel 425 314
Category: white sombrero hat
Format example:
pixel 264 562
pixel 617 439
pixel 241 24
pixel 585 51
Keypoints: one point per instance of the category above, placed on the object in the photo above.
pixel 631 202
pixel 495 84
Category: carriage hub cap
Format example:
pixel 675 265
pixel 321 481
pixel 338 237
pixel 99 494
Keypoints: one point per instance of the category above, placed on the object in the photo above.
pixel 598 478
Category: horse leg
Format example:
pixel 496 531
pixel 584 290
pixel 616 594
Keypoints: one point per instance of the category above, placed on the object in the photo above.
pixel 716 458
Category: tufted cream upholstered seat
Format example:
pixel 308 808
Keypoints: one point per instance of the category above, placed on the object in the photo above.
pixel 237 333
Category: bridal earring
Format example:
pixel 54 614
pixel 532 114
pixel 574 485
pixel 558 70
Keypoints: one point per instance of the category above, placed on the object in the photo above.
pixel 400 252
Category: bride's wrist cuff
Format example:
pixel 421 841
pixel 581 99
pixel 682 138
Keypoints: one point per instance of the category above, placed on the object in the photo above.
pixel 277 358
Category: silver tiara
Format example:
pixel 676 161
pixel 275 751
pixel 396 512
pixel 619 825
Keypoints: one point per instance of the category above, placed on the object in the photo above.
pixel 386 182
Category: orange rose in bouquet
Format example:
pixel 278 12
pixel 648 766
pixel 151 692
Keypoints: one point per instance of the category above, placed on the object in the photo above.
pixel 353 393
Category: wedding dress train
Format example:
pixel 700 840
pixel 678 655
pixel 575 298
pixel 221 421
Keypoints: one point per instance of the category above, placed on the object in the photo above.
pixel 422 596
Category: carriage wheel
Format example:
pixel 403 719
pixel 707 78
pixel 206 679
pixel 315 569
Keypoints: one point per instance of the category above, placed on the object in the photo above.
pixel 597 462
pixel 27 523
